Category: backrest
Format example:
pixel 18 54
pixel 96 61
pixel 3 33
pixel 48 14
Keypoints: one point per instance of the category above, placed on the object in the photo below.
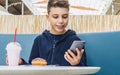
pixel 103 50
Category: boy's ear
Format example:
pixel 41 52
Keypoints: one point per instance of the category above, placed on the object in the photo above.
pixel 47 16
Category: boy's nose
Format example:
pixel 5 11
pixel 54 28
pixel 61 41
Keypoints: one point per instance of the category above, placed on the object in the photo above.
pixel 60 20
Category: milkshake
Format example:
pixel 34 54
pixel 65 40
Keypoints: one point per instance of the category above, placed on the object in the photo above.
pixel 13 52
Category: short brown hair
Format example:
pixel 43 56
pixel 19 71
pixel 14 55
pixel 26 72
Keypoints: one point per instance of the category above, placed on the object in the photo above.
pixel 57 3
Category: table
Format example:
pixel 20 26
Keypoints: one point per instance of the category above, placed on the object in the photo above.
pixel 47 70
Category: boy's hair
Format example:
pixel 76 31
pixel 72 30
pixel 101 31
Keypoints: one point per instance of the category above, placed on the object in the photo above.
pixel 57 3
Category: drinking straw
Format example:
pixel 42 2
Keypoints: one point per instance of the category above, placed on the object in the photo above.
pixel 15 35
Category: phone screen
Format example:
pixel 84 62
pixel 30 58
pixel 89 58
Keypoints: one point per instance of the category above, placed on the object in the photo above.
pixel 77 44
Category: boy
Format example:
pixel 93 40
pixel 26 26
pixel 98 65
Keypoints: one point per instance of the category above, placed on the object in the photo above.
pixel 53 45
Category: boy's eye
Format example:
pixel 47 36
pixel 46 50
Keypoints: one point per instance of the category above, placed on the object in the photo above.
pixel 55 16
pixel 65 16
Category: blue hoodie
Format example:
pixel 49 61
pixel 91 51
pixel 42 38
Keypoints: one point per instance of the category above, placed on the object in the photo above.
pixel 53 47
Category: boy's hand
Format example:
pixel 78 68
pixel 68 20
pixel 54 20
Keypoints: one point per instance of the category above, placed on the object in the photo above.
pixel 72 58
pixel 20 61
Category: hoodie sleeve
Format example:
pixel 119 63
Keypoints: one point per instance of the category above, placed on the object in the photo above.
pixel 35 50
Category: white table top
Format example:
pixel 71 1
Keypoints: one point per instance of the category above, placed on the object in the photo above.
pixel 47 70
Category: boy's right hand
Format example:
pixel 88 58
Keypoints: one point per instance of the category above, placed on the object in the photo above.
pixel 20 60
pixel 72 58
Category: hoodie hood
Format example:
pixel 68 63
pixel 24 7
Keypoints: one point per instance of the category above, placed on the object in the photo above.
pixel 68 33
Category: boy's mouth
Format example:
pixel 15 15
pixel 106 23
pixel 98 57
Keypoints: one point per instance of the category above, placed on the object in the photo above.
pixel 60 26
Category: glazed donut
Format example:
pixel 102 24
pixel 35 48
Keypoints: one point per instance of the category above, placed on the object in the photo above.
pixel 39 62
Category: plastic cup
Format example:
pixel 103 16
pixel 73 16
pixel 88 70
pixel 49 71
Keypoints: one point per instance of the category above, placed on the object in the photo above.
pixel 13 53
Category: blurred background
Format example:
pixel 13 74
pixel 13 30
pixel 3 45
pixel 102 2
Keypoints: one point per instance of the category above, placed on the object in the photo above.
pixel 78 7
pixel 85 16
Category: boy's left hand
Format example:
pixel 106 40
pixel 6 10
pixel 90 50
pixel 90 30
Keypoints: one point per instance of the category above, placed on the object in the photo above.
pixel 72 58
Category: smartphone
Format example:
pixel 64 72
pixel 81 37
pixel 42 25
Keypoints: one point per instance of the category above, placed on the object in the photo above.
pixel 77 44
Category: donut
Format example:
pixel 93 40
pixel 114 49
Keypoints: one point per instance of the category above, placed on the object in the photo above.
pixel 39 62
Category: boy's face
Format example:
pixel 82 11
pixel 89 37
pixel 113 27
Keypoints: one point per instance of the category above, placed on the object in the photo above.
pixel 58 18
